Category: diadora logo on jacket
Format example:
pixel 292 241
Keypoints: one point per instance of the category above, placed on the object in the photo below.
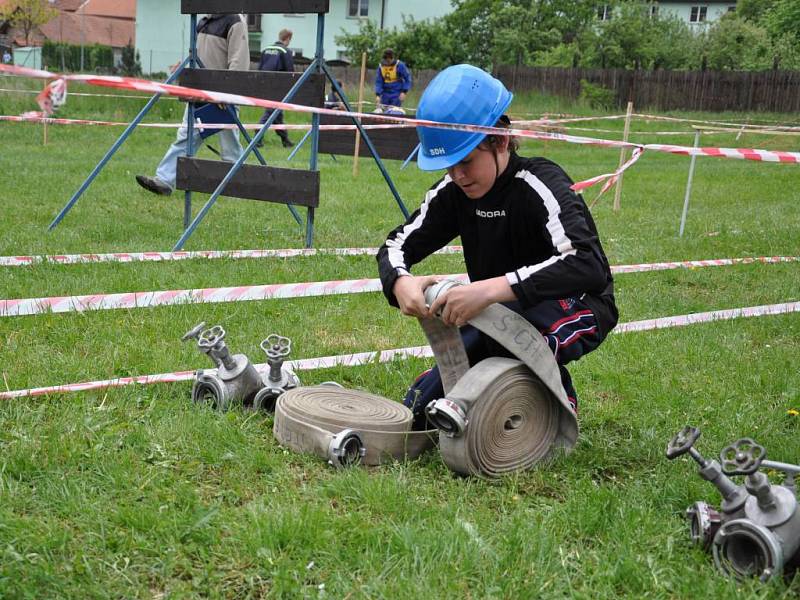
pixel 490 213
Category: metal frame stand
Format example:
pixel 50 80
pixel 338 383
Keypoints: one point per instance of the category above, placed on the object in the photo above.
pixel 192 61
pixel 317 66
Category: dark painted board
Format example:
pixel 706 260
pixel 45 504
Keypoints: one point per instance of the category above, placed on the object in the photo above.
pixel 253 182
pixel 189 7
pixel 268 85
pixel 391 144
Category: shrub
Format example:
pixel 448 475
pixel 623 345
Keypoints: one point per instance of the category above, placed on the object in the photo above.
pixel 596 95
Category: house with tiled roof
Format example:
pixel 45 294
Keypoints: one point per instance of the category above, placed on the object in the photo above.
pixel 105 22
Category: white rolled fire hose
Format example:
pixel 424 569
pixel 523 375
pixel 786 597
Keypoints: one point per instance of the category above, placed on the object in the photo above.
pixel 502 414
pixel 347 426
pixel 499 416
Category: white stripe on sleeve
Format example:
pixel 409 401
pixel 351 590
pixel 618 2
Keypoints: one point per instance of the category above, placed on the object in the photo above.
pixel 561 243
pixel 395 246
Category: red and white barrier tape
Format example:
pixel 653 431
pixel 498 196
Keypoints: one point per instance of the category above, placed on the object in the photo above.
pixel 128 96
pixel 724 123
pixel 542 120
pixel 694 264
pixel 363 358
pixel 35 118
pixel 128 257
pixel 65 304
pixel 611 178
pixel 52 94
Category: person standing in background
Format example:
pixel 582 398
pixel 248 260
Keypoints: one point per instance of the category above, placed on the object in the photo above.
pixel 221 44
pixel 392 80
pixel 278 57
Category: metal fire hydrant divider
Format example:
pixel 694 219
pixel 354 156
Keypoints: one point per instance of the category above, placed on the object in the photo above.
pixel 234 380
pixel 757 531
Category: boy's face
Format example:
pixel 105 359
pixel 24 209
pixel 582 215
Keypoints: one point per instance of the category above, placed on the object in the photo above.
pixel 476 173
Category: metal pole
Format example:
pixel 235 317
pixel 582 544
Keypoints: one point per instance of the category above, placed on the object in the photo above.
pixel 319 59
pixel 299 145
pixel 689 184
pixel 369 144
pixel 187 195
pixel 410 157
pixel 128 130
pixel 240 161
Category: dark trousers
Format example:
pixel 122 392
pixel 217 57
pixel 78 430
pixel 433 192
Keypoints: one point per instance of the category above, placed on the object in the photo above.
pixel 281 133
pixel 569 326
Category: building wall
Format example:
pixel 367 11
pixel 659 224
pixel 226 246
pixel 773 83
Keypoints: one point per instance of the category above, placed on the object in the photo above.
pixel 162 34
pixel 337 21
pixel 683 10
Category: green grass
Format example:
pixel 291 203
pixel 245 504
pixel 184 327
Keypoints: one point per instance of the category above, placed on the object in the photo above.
pixel 134 492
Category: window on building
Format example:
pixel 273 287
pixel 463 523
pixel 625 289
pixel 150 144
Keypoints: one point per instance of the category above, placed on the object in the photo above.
pixel 254 22
pixel 698 14
pixel 604 12
pixel 653 10
pixel 732 8
pixel 358 8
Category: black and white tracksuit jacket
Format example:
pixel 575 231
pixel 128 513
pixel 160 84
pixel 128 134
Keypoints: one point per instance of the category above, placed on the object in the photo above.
pixel 530 227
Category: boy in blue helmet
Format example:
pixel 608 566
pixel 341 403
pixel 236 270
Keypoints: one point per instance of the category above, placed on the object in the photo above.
pixel 529 241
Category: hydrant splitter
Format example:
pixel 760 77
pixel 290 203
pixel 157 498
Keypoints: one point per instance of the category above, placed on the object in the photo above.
pixel 757 531
pixel 234 379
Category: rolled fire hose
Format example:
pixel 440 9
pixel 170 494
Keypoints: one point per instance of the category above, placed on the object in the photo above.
pixel 347 426
pixel 501 415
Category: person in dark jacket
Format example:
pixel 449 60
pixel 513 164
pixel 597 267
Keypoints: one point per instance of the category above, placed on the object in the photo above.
pixel 529 241
pixel 392 80
pixel 221 44
pixel 278 57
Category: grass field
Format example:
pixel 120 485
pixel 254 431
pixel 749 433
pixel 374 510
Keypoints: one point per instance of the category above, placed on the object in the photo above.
pixel 134 492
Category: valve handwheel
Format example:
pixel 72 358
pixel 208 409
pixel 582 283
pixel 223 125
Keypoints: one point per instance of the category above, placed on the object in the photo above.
pixel 682 442
pixel 211 337
pixel 742 457
pixel 276 346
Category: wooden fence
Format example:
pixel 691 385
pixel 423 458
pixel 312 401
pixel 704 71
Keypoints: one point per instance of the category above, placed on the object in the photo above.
pixel 774 91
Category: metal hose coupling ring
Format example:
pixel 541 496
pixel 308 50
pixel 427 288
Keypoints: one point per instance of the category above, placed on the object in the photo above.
pixel 346 449
pixel 447 416
pixel 745 549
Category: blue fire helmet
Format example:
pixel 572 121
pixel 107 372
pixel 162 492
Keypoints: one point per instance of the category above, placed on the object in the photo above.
pixel 460 94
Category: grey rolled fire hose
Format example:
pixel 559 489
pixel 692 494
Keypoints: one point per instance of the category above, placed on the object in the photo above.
pixel 502 414
pixel 347 426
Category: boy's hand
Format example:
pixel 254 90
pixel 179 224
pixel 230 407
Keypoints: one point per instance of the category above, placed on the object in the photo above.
pixel 464 302
pixel 409 293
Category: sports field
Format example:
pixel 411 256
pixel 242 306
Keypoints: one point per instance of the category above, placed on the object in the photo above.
pixel 135 492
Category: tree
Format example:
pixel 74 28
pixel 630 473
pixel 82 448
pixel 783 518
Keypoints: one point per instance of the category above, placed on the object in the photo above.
pixel 131 66
pixel 734 43
pixel 753 10
pixel 27 15
pixel 783 18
